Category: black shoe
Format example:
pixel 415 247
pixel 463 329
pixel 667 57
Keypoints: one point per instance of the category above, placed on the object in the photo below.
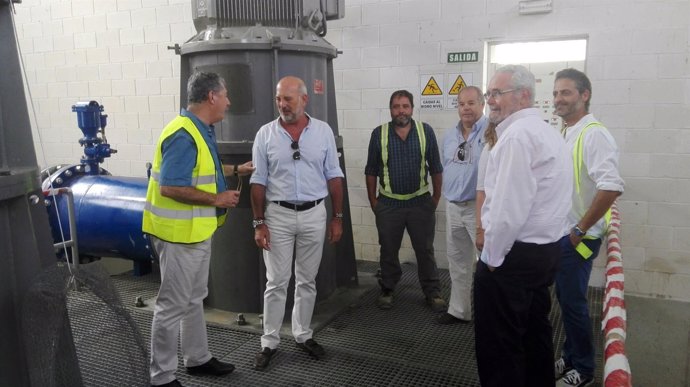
pixel 263 358
pixel 312 348
pixel 174 383
pixel 447 319
pixel 212 367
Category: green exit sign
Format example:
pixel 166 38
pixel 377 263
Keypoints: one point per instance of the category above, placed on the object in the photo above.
pixel 459 57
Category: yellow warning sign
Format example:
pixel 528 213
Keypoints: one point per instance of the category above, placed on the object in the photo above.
pixel 432 88
pixel 459 84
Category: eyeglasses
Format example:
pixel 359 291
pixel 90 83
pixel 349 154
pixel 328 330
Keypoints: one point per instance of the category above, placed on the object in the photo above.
pixel 462 151
pixel 295 147
pixel 496 93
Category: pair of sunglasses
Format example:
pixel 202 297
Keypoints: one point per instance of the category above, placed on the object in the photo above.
pixel 295 147
pixel 462 151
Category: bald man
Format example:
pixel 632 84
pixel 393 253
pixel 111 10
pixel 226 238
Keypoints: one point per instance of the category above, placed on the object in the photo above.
pixel 296 167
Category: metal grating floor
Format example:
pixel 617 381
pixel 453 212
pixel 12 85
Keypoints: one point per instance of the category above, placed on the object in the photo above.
pixel 365 346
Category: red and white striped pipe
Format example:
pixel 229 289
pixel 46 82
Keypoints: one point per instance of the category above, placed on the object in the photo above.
pixel 616 366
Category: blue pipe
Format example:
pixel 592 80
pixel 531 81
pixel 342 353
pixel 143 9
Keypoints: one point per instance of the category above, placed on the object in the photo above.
pixel 108 211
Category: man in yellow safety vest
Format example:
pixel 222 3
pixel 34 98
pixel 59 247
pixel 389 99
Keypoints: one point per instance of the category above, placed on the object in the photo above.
pixel 186 202
pixel 402 154
pixel 596 185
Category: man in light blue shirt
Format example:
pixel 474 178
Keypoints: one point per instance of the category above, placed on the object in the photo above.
pixel 296 167
pixel 462 146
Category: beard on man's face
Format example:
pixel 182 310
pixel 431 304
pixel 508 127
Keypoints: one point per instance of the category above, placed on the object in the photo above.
pixel 401 119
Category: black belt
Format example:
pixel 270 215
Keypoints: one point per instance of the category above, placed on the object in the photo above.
pixel 299 207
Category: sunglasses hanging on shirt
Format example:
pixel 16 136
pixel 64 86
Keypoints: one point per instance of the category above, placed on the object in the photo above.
pixel 295 147
pixel 462 151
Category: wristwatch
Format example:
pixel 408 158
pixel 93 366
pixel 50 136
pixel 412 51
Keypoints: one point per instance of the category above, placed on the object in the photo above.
pixel 257 222
pixel 338 215
pixel 578 231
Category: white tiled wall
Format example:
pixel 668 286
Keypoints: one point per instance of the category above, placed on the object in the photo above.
pixel 116 52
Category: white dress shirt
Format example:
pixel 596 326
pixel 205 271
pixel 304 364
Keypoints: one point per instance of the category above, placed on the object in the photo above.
pixel 528 184
pixel 600 172
pixel 481 169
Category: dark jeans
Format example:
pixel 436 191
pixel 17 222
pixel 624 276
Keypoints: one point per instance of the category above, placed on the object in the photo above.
pixel 571 289
pixel 513 335
pixel 420 222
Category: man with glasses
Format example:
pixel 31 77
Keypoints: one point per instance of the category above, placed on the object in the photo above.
pixel 186 202
pixel 462 146
pixel 528 186
pixel 402 154
pixel 597 185
pixel 296 167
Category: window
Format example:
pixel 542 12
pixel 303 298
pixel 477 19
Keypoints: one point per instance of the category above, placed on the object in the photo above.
pixel 544 58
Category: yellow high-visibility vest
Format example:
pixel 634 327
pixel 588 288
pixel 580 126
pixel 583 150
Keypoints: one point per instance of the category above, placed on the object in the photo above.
pixel 578 165
pixel 177 222
pixel 385 186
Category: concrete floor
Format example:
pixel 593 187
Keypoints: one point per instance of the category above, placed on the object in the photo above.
pixel 658 342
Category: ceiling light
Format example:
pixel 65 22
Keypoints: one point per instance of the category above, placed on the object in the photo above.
pixel 530 7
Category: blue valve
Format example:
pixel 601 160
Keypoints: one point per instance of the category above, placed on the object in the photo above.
pixel 91 121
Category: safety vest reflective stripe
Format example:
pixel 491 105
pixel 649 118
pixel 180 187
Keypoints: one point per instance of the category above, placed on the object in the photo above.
pixel 578 164
pixel 384 188
pixel 583 250
pixel 198 180
pixel 195 212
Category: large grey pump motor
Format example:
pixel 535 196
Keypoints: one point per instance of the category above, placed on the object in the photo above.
pixel 253 44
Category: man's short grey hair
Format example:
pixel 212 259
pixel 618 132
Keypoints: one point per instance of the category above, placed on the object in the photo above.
pixel 521 78
pixel 200 83
pixel 480 93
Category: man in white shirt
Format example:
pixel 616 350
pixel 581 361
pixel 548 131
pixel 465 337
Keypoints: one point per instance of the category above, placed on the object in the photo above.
pixel 528 186
pixel 597 185
pixel 297 165
pixel 462 146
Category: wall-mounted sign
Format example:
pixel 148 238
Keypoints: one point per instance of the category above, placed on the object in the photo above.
pixel 460 57
pixel 432 89
pixel 318 86
pixel 457 82
pixel 457 85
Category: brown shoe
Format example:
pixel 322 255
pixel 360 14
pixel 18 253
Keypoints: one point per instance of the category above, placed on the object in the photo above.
pixel 263 358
